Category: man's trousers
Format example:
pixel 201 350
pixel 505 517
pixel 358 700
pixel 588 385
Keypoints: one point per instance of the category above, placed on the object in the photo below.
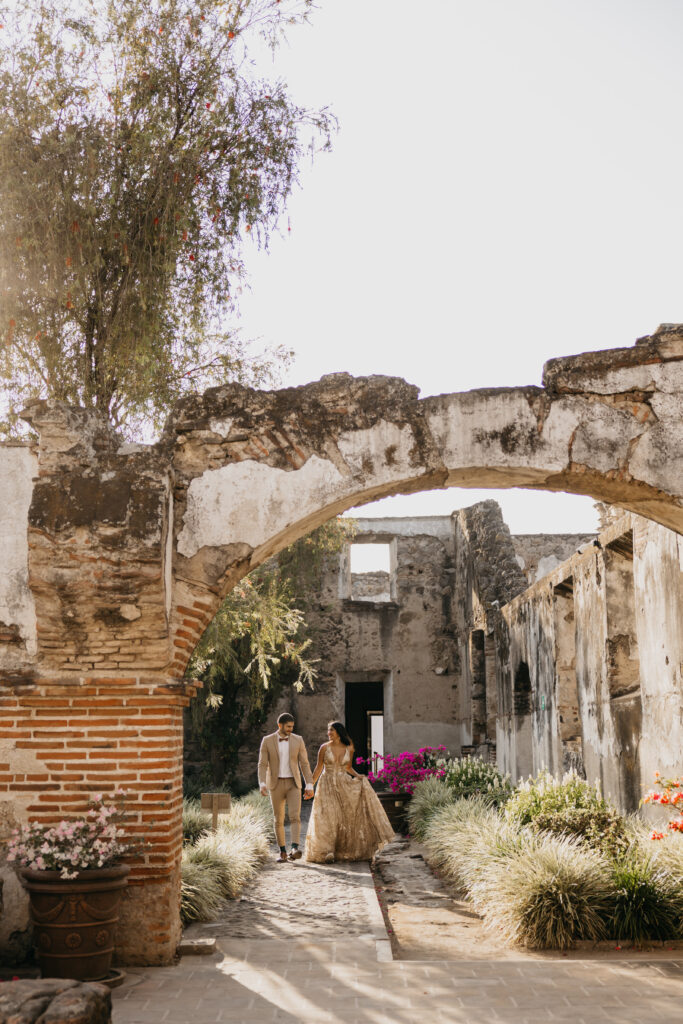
pixel 286 792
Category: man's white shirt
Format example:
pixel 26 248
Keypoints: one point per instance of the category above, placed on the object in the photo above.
pixel 285 766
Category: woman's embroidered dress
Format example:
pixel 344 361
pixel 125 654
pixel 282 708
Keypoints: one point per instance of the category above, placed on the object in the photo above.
pixel 347 819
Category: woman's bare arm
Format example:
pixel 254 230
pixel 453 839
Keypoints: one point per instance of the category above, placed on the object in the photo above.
pixel 349 767
pixel 320 764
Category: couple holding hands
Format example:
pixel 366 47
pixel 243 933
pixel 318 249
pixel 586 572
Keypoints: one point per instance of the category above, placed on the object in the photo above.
pixel 347 821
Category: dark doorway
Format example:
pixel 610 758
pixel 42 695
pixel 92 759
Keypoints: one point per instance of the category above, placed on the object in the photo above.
pixel 363 702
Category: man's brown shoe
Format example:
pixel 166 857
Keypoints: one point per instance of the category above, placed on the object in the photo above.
pixel 281 858
pixel 295 855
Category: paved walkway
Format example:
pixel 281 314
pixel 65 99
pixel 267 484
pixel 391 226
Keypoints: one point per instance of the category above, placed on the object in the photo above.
pixel 307 944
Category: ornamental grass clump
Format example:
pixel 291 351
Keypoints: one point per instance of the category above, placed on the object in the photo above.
pixel 429 796
pixel 456 837
pixel 546 894
pixel 646 900
pixel 218 865
pixel 196 822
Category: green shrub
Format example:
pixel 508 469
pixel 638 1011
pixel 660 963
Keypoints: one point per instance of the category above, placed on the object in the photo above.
pixel 602 829
pixel 544 891
pixel 218 865
pixel 429 796
pixel 570 806
pixel 263 808
pixel 471 776
pixel 647 901
pixel 667 854
pixel 196 822
pixel 200 892
pixel 456 835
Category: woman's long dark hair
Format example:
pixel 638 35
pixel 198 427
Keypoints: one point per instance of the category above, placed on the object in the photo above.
pixel 341 732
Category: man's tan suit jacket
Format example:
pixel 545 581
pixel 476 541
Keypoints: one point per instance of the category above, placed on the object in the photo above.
pixel 269 760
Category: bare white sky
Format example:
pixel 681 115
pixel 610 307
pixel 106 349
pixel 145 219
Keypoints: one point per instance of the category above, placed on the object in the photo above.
pixel 506 187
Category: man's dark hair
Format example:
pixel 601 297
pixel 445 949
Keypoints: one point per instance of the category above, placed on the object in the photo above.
pixel 285 717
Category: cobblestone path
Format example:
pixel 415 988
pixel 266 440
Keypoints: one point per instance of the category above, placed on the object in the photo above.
pixel 307 944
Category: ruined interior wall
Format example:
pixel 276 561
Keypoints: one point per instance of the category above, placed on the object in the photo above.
pixel 404 643
pixel 658 582
pixel 622 598
pixel 487 575
pixel 539 553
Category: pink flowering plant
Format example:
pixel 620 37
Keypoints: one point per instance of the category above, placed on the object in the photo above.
pixel 93 841
pixel 402 772
pixel 667 793
pixel 465 776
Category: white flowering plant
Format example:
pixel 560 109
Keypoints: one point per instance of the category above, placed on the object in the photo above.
pixel 93 841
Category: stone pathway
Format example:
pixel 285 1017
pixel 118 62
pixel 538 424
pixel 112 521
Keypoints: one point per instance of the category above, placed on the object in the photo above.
pixel 307 944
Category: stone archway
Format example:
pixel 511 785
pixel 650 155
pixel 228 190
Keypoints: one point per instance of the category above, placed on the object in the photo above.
pixel 122 553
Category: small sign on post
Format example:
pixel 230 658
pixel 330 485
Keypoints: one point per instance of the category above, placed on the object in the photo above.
pixel 217 803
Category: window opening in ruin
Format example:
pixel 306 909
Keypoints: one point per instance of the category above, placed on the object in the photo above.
pixel 364 712
pixel 566 683
pixel 477 660
pixel 491 693
pixel 522 690
pixel 371 572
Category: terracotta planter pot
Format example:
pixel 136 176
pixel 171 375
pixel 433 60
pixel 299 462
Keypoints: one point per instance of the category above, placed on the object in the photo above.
pixel 74 920
pixel 395 806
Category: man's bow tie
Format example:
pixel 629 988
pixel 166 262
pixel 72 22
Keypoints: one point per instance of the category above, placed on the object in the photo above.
pixel 284 739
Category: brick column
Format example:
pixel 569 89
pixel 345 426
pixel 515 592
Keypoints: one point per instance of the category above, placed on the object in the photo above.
pixel 73 738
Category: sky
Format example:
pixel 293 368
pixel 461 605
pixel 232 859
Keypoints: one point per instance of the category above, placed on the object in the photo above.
pixel 505 188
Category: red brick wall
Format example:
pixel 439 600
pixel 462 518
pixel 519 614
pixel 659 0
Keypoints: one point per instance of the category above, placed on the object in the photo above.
pixel 76 738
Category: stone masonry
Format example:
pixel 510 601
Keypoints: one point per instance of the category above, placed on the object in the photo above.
pixel 117 556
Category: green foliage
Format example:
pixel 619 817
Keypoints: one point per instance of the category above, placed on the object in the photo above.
pixel 201 897
pixel 601 828
pixel 472 776
pixel 647 901
pixel 196 822
pixel 569 806
pixel 457 835
pixel 546 893
pixel 429 796
pixel 217 866
pixel 256 647
pixel 139 148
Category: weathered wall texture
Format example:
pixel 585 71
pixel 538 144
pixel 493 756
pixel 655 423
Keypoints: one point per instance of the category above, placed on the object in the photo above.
pixel 128 551
pixel 405 643
pixel 538 554
pixel 600 643
pixel 425 632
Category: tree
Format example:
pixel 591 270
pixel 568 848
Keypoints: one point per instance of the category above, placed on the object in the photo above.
pixel 257 645
pixel 138 149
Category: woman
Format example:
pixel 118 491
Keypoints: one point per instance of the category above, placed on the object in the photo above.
pixel 347 821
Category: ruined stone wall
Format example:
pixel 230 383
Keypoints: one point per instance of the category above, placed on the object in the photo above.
pixel 123 553
pixel 539 553
pixel 595 651
pixel 405 643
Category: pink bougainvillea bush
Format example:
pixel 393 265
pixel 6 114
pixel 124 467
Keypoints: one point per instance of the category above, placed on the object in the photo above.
pixel 465 776
pixel 401 772
pixel 667 793
pixel 93 841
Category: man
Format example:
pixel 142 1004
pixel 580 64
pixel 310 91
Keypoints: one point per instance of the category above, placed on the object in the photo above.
pixel 281 763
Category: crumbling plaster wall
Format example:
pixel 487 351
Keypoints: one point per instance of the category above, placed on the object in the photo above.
pixel 406 642
pixel 538 554
pixel 131 549
pixel 624 595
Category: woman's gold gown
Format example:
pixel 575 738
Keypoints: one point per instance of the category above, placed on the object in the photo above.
pixel 347 819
